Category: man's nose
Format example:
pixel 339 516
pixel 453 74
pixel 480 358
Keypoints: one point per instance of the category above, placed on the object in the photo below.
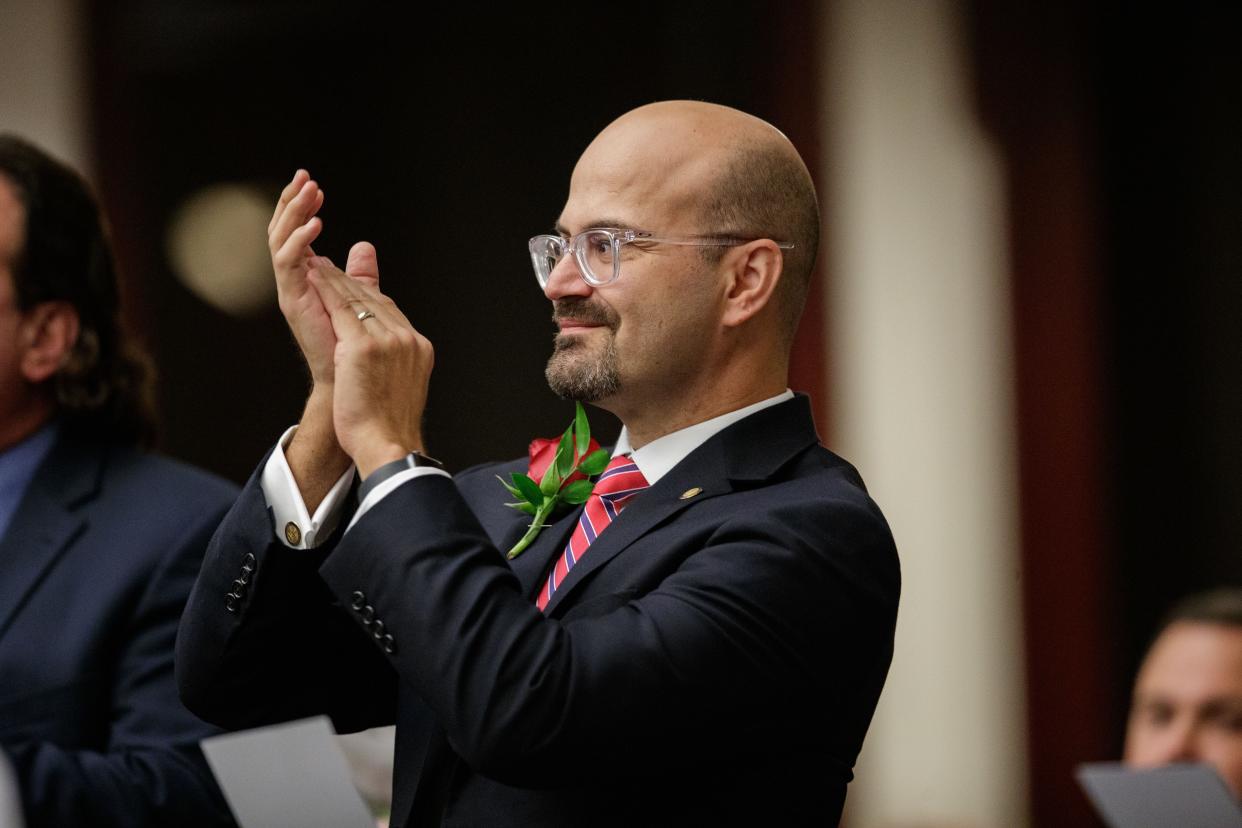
pixel 566 280
pixel 1181 742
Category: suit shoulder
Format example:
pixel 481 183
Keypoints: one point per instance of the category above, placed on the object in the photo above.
pixel 817 501
pixel 165 483
pixel 819 475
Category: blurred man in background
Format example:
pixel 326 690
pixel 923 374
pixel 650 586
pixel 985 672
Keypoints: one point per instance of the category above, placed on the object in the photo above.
pixel 1188 696
pixel 99 542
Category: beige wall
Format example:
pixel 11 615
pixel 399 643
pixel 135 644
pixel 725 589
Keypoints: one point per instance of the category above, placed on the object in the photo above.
pixel 919 340
pixel 42 94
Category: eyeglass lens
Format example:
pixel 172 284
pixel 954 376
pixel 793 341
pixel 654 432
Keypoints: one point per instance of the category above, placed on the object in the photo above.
pixel 593 251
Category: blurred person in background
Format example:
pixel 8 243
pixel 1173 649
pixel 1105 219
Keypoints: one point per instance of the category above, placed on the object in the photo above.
pixel 1187 703
pixel 100 541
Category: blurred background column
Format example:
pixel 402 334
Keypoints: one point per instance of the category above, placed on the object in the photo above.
pixel 922 360
pixel 41 61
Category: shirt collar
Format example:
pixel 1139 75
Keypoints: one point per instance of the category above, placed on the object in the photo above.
pixel 658 457
pixel 18 465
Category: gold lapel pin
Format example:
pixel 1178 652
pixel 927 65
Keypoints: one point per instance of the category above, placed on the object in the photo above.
pixel 689 493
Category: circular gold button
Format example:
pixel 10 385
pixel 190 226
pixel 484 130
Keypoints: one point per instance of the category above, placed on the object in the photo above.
pixel 292 533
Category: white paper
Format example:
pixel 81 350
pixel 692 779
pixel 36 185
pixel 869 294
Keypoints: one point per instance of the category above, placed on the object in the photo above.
pixel 290 775
pixel 10 796
pixel 1185 796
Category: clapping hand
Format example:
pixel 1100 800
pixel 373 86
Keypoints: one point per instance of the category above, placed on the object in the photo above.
pixel 382 367
pixel 294 227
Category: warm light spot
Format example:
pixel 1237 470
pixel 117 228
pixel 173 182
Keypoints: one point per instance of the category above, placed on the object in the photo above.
pixel 217 243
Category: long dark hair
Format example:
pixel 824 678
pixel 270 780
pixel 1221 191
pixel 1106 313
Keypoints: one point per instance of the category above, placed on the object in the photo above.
pixel 105 387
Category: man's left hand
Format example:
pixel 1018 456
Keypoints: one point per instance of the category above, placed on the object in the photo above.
pixel 382 366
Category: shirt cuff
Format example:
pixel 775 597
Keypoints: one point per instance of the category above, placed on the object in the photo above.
pixel 295 527
pixel 381 491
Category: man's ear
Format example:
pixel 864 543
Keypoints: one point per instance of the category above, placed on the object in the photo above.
pixel 755 269
pixel 49 331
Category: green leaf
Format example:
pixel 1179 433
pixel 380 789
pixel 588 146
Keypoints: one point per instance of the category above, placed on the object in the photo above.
pixel 595 462
pixel 582 429
pixel 527 488
pixel 510 489
pixel 577 492
pixel 551 477
pixel 565 456
pixel 522 507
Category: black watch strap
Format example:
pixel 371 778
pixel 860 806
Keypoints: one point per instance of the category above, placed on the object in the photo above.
pixel 413 460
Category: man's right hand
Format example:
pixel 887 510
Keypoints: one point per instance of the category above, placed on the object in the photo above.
pixel 315 457
pixel 294 226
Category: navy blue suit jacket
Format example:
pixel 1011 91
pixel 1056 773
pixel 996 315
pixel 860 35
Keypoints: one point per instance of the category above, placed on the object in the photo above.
pixel 94 571
pixel 715 657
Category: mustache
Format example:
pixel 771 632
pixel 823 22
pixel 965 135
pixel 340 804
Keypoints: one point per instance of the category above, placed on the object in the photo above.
pixel 583 311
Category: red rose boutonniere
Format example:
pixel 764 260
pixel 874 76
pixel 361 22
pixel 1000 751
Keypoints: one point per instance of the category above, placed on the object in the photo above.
pixel 561 467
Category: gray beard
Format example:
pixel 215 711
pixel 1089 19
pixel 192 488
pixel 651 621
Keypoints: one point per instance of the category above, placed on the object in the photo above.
pixel 574 373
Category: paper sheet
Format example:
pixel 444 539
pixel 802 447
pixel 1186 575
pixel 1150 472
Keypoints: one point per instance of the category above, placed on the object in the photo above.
pixel 290 775
pixel 1186 796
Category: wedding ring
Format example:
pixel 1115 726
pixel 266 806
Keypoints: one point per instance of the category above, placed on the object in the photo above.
pixel 365 315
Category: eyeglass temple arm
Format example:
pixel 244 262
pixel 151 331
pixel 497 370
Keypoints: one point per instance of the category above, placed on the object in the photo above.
pixel 709 241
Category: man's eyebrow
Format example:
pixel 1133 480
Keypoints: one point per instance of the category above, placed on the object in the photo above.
pixel 610 223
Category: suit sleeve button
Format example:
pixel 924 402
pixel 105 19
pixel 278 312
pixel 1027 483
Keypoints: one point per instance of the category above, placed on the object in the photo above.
pixel 367 613
pixel 389 644
pixel 230 602
pixel 377 630
pixel 239 587
pixel 358 600
pixel 249 560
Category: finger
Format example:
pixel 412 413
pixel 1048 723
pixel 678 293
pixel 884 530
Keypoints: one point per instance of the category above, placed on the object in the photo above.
pixel 362 264
pixel 286 195
pixel 285 217
pixel 300 209
pixel 293 253
pixel 365 296
pixel 342 306
pixel 360 297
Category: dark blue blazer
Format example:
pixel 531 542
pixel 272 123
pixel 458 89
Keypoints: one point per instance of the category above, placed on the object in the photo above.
pixel 715 657
pixel 94 571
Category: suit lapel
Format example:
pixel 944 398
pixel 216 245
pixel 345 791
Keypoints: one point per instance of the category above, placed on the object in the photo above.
pixel 750 450
pixel 45 524
pixel 533 564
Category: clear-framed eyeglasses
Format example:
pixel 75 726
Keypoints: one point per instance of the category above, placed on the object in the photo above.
pixel 598 251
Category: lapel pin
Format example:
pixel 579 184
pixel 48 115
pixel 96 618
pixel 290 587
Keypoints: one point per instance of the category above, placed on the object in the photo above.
pixel 689 493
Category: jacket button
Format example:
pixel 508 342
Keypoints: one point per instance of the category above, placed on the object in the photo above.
pixel 230 602
pixel 239 587
pixel 377 630
pixel 357 600
pixel 246 569
pixel 367 613
pixel 389 644
pixel 249 560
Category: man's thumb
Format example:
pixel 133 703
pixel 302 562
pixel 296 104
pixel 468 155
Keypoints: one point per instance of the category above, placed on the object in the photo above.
pixel 362 264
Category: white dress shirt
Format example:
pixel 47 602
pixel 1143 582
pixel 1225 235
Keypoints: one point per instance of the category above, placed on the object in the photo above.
pixel 284 498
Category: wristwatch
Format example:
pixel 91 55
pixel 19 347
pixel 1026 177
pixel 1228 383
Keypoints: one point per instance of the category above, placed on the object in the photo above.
pixel 413 460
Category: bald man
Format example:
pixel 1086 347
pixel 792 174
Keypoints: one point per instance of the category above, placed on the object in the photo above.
pixel 702 642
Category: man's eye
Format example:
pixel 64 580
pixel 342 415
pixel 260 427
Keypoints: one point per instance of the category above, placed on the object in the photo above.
pixel 1157 714
pixel 1228 718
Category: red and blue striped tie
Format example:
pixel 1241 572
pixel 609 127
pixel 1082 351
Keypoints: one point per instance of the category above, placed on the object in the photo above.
pixel 619 482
